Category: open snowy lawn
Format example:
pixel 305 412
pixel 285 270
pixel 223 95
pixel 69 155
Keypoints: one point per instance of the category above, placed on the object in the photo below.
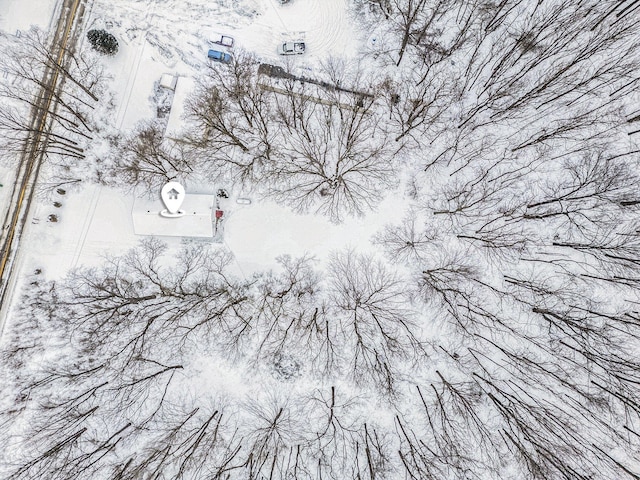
pixel 325 25
pixel 22 14
pixel 258 233
pixel 135 74
pixel 90 224
pixel 96 221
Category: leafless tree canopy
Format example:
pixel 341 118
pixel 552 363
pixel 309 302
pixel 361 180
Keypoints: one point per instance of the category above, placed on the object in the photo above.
pixel 496 336
pixel 136 338
pixel 78 102
pixel 313 147
pixel 150 160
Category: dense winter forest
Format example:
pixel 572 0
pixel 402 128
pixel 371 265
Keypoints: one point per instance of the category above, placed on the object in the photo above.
pixel 496 336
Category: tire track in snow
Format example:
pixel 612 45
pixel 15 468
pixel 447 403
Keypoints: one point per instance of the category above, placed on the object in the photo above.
pixel 329 32
pixel 88 220
pixel 133 73
pixel 328 29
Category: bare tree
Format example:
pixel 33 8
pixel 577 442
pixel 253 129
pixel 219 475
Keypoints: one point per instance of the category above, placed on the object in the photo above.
pixel 417 103
pixel 407 242
pixel 337 160
pixel 80 86
pixel 313 144
pixel 234 122
pixel 149 159
pixel 371 309
pixel 293 318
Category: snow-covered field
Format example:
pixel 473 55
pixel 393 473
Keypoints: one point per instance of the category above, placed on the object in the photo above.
pixel 327 27
pixel 259 233
pixel 431 272
pixel 17 15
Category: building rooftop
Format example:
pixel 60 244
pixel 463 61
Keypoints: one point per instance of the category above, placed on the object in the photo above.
pixel 197 220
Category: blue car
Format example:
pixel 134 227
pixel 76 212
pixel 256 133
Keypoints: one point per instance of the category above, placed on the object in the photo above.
pixel 217 56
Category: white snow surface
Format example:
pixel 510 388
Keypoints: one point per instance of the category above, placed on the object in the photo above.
pixel 175 123
pixel 325 25
pixel 259 233
pixel 95 221
pixel 16 15
pixel 92 223
pixel 165 37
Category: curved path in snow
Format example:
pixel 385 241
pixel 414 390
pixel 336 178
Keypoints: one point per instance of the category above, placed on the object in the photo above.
pixel 326 25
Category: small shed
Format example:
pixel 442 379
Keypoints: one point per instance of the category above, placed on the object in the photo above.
pixel 168 81
pixel 198 219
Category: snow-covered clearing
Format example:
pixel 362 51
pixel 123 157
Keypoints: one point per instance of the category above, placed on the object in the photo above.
pixel 259 233
pixel 17 15
pixel 478 320
pixel 90 224
pixel 326 26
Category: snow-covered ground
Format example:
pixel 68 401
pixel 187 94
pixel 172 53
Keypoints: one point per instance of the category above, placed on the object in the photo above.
pixel 17 15
pixel 258 233
pixel 90 224
pixel 95 221
pixel 459 353
pixel 324 24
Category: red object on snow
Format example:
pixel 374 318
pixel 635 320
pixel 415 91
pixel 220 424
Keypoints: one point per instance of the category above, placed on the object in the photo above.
pixel 219 213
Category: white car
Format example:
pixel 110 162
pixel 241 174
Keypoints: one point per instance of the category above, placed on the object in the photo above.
pixel 291 48
pixel 221 39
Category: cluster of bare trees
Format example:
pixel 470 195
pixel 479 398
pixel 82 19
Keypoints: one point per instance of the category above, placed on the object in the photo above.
pixel 532 370
pixel 122 349
pixel 524 237
pixel 500 338
pixel 77 101
pixel 309 143
pixel 469 70
pixel 543 337
pixel 122 393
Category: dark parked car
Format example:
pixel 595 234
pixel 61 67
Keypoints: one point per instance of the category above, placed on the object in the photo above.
pixel 218 56
pixel 221 39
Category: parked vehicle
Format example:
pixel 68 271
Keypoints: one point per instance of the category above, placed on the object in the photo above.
pixel 221 39
pixel 218 56
pixel 291 48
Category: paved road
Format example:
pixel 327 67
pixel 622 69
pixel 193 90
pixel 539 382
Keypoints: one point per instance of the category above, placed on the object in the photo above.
pixel 62 40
